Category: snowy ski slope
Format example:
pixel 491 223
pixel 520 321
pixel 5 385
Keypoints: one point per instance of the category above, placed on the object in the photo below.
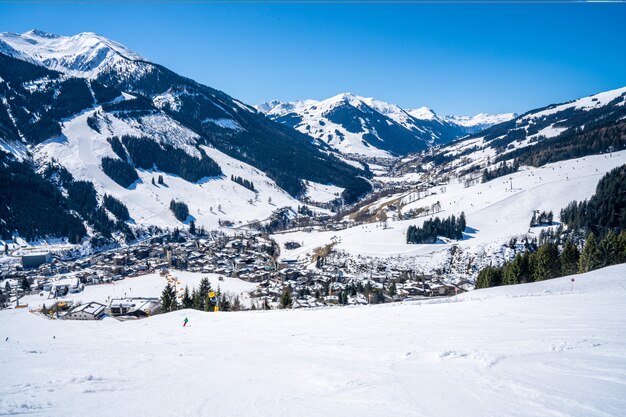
pixel 528 350
pixel 495 213
pixel 81 149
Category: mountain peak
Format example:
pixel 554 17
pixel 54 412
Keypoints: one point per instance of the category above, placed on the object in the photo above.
pixel 423 113
pixel 86 54
pixel 40 34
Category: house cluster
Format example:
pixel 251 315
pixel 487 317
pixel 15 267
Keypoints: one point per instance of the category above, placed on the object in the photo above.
pixel 330 284
pixel 119 308
pixel 252 257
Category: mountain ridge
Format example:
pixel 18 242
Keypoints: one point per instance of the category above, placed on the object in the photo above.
pixel 364 128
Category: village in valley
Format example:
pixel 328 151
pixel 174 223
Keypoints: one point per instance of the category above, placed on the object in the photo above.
pixel 58 284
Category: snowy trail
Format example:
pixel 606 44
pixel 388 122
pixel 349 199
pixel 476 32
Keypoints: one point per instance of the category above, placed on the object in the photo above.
pixel 527 350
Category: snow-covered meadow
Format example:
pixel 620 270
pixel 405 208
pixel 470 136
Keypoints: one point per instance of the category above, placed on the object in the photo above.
pixel 149 285
pixel 529 350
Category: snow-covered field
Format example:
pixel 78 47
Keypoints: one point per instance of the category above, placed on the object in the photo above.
pixel 495 212
pixel 150 285
pixel 528 350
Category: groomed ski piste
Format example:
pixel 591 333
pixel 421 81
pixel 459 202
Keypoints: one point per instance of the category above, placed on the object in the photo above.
pixel 540 349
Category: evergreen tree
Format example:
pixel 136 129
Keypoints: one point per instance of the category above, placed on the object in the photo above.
pixel 621 247
pixel 196 300
pixel 25 285
pixel 180 210
pixel 192 227
pixel 569 258
pixel 510 275
pixel 489 277
pixel 608 249
pixel 187 301
pixel 285 297
pixel 547 264
pixel 168 298
pixel 590 255
pixel 203 293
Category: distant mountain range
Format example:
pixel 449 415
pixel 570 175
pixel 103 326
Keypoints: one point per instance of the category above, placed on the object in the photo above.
pixel 586 126
pixel 357 125
pixel 98 142
pixel 101 113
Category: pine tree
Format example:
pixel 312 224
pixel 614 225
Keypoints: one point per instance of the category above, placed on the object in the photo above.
pixel 25 285
pixel 608 249
pixel 590 255
pixel 187 301
pixel 196 300
pixel 285 298
pixel 569 259
pixel 192 227
pixel 547 262
pixel 168 299
pixel 203 293
pixel 509 274
pixel 489 277
pixel 621 247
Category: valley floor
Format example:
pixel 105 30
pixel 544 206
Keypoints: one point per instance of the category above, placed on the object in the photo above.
pixel 528 350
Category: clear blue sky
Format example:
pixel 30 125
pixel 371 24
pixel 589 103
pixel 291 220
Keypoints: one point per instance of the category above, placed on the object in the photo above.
pixel 457 59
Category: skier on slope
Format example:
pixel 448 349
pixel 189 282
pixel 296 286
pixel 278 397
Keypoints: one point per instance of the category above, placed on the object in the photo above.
pixel 185 322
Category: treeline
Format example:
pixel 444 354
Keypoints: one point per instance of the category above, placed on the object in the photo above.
pixel 198 299
pixel 38 113
pixel 119 171
pixel 605 210
pixel 116 207
pixel 243 182
pixel 602 217
pixel 83 199
pixel 543 218
pixel 502 170
pixel 180 210
pixel 33 206
pixel 548 262
pixel 574 143
pixel 146 153
pixel 451 227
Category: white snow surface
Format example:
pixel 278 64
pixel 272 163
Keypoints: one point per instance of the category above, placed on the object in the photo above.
pixel 481 119
pixel 537 349
pixel 322 193
pixel 150 285
pixel 585 103
pixel 86 54
pixel 314 123
pixel 493 211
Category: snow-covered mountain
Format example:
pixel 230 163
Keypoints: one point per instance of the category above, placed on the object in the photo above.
pixel 83 55
pixel 584 126
pixel 63 101
pixel 480 121
pixel 353 124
